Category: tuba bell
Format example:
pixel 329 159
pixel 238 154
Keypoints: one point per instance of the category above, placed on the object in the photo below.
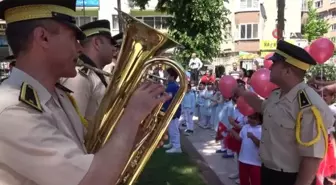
pixel 139 52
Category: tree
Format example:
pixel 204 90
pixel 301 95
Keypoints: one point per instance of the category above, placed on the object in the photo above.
pixel 316 26
pixel 328 70
pixel 199 25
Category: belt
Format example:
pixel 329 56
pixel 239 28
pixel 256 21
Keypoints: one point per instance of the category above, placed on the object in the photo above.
pixel 278 170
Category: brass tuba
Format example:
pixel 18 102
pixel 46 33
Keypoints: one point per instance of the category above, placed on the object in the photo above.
pixel 140 48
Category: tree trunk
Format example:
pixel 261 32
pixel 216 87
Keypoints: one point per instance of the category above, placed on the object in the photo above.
pixel 281 18
pixel 120 20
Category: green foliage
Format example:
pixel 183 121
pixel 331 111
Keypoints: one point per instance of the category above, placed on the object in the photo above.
pixel 315 27
pixel 328 70
pixel 199 25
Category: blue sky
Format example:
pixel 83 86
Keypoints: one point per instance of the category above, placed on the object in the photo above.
pixel 88 3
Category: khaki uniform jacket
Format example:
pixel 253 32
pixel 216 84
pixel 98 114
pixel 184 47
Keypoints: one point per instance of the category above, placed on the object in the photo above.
pixel 279 149
pixel 88 91
pixel 39 146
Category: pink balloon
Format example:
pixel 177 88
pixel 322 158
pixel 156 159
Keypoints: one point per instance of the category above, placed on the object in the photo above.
pixel 321 50
pixel 244 108
pixel 226 85
pixel 260 82
pixel 268 63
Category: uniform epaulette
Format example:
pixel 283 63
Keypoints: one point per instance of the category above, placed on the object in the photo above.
pixel 303 99
pixel 29 96
pixel 84 71
pixel 62 87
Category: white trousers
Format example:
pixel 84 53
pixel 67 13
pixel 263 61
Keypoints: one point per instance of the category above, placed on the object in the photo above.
pixel 174 133
pixel 188 117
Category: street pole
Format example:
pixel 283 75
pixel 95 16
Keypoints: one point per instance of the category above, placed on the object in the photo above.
pixel 119 17
pixel 281 19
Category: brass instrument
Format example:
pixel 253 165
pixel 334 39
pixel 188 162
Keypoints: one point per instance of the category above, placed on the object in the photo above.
pixel 140 48
pixel 80 63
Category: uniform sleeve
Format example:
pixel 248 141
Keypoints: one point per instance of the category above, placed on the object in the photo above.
pixel 32 146
pixel 82 89
pixel 263 105
pixel 309 132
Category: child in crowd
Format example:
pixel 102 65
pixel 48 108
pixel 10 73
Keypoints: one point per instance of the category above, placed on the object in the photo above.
pixel 206 109
pixel 213 106
pixel 249 159
pixel 188 107
pixel 173 128
pixel 328 165
pixel 224 114
pixel 200 102
pixel 219 107
pixel 237 121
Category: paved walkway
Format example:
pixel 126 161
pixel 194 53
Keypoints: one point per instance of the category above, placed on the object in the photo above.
pixel 203 141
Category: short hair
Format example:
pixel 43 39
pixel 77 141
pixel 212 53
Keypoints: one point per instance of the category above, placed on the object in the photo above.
pixel 202 83
pixel 19 34
pixel 249 73
pixel 172 73
pixel 240 82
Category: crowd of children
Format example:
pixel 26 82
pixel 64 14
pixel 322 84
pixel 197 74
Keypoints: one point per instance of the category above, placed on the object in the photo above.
pixel 239 135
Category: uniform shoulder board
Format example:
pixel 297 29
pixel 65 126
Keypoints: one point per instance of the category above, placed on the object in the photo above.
pixel 62 87
pixel 29 96
pixel 303 99
pixel 84 71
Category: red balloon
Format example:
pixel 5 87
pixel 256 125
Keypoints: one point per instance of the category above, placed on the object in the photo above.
pixel 321 50
pixel 243 107
pixel 268 63
pixel 307 48
pixel 260 82
pixel 205 79
pixel 226 85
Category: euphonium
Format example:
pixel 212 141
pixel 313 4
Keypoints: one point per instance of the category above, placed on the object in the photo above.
pixel 141 44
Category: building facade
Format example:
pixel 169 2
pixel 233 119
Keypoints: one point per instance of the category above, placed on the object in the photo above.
pixel 327 11
pixel 252 29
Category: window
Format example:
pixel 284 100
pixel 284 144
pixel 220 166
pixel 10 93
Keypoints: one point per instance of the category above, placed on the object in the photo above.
pixel 248 31
pixel 149 21
pixel 318 4
pixel 115 22
pixel 332 1
pixel 164 23
pixel 333 13
pixel 156 22
pixel 333 27
pixel 84 20
pixel 248 4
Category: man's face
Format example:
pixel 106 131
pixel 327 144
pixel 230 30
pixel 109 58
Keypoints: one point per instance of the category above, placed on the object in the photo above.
pixel 277 72
pixel 193 55
pixel 105 49
pixel 234 66
pixel 62 51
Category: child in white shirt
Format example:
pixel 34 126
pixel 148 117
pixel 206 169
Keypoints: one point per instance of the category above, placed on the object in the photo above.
pixel 249 159
pixel 206 108
pixel 188 106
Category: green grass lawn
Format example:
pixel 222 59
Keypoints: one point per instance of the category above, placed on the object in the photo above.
pixel 172 169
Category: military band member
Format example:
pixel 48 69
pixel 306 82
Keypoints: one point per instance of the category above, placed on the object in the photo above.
pixel 98 50
pixel 295 120
pixel 41 135
pixel 109 67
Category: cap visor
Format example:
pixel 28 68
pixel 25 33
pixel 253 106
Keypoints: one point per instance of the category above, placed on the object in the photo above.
pixel 79 33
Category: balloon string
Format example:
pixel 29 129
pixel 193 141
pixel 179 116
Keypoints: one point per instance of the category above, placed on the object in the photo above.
pixel 322 76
